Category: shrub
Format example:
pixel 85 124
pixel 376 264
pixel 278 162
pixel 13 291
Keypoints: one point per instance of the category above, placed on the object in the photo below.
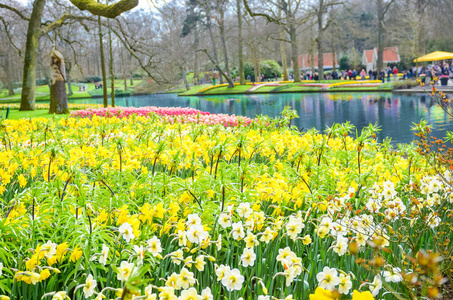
pixel 270 69
pixel 122 93
pixel 93 78
pixel 405 84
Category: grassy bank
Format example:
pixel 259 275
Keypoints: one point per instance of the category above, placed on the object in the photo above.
pixel 290 87
pixel 43 92
pixel 40 113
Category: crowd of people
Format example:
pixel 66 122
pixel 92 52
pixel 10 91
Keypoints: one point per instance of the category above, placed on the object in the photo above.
pixel 388 74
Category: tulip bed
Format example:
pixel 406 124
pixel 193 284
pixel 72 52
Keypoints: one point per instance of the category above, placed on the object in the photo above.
pixel 142 207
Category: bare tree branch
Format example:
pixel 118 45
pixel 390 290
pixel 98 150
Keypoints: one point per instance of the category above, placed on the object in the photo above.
pixel 9 36
pixel 16 11
pixel 60 22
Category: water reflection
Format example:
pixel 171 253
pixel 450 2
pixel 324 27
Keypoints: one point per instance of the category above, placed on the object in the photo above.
pixel 394 113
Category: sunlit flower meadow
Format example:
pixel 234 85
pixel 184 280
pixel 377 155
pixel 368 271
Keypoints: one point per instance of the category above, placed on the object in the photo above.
pixel 146 207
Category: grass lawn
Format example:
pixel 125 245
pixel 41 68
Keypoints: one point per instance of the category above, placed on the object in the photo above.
pixel 301 89
pixel 43 92
pixel 238 89
pixel 40 113
pixel 194 89
pixel 265 89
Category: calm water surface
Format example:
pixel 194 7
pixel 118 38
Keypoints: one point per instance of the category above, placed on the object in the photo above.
pixel 394 113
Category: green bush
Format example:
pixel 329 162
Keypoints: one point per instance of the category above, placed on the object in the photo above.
pixel 93 78
pixel 405 84
pixel 42 81
pixel 269 68
pixel 122 93
pixel 344 63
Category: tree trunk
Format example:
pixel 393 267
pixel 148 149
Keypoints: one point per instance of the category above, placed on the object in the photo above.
pixel 132 79
pixel 184 77
pixel 421 32
pixel 9 75
pixel 283 48
pixel 196 45
pixel 228 78
pixel 380 12
pixel 334 55
pixel 240 47
pixel 112 71
pixel 214 49
pixel 294 54
pixel 293 38
pixel 320 56
pixel 68 78
pixel 58 97
pixel 104 72
pixel 319 40
pixel 334 58
pixel 225 52
pixel 27 101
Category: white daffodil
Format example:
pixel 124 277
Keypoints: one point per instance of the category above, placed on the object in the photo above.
pixel 186 279
pixel 90 285
pixel 140 252
pixel 394 275
pixel 125 270
pixel 193 219
pixel 154 246
pixel 328 278
pixel 233 280
pixel 376 285
pixel 49 249
pixel 196 234
pixel 244 210
pixel 206 294
pixel 238 231
pixel 225 220
pixel 190 294
pixel 345 284
pixel 127 232
pixel 340 246
pixel 248 257
pixel 220 271
pixel 104 254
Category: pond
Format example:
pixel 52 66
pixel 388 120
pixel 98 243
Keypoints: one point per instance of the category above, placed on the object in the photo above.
pixel 394 113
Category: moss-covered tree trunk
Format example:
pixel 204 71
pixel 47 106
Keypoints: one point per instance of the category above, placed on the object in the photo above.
pixel 27 101
pixel 58 96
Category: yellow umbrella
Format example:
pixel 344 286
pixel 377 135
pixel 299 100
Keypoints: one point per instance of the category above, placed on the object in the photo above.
pixel 435 56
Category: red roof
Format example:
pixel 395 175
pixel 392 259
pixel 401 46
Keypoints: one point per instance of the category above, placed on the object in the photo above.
pixel 369 55
pixel 305 60
pixel 391 55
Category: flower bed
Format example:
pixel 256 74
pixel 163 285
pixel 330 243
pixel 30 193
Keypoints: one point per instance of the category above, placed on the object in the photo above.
pixel 169 114
pixel 138 208
pixel 356 82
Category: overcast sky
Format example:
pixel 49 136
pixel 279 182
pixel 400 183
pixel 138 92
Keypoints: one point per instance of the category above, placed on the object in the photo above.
pixel 142 3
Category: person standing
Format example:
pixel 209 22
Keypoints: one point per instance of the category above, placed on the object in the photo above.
pixel 362 74
pixel 395 73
